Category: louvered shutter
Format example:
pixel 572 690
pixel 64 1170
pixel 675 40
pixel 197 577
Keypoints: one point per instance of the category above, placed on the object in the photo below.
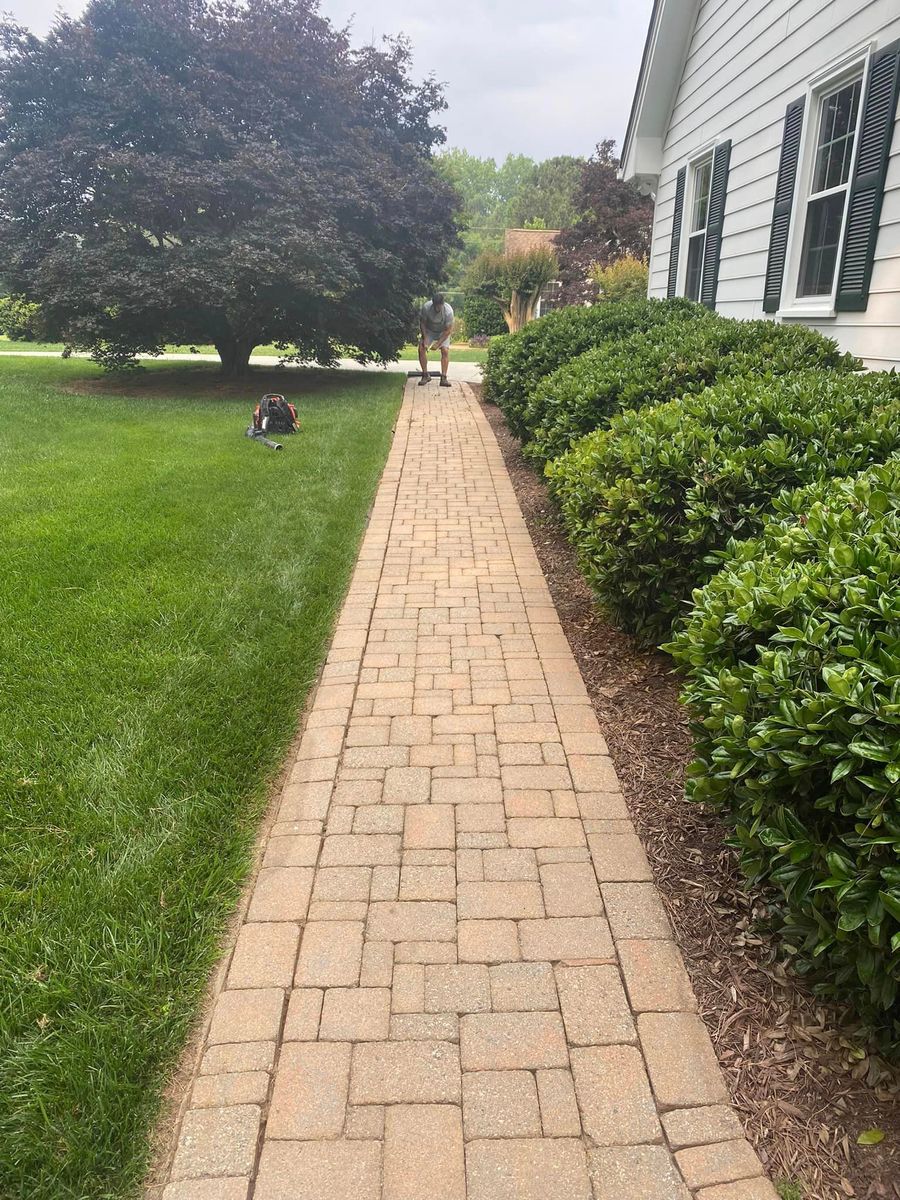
pixel 716 214
pixel 676 232
pixel 867 188
pixel 784 203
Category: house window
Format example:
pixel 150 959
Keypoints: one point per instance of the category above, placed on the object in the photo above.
pixel 701 181
pixel 829 186
pixel 549 298
pixel 833 166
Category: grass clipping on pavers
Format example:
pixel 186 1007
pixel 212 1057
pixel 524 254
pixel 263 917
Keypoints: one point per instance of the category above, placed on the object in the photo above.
pixel 797 1070
pixel 168 589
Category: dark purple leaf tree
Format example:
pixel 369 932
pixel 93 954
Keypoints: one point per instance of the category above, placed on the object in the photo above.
pixel 616 221
pixel 217 171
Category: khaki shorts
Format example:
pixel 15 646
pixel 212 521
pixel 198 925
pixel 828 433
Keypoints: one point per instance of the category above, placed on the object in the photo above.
pixel 440 341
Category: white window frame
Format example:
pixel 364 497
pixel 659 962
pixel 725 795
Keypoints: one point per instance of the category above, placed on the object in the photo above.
pixel 706 153
pixel 855 64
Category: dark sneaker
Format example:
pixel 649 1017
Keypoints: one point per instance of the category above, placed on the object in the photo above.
pixel 423 381
pixel 445 382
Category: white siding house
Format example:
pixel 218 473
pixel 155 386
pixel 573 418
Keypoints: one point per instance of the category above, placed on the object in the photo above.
pixel 768 133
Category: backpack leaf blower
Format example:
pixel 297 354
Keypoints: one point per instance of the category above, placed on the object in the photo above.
pixel 273 414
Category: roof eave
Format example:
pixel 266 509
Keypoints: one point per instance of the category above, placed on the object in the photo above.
pixel 665 51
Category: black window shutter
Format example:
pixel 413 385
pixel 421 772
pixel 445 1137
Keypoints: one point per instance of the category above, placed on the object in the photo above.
pixel 676 232
pixel 784 202
pixel 867 189
pixel 715 217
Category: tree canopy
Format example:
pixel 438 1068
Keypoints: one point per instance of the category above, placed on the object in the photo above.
pixel 616 220
pixel 218 171
pixel 549 194
pixel 516 193
pixel 602 218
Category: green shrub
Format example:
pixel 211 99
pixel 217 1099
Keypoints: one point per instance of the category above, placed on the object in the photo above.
pixel 482 316
pixel 793 655
pixel 647 500
pixel 20 320
pixel 625 279
pixel 662 363
pixel 460 329
pixel 517 364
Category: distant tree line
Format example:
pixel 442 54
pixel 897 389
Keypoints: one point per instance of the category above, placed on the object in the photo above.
pixel 515 193
pixel 602 219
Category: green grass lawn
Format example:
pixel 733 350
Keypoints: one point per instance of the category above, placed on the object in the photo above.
pixel 457 353
pixel 461 353
pixel 7 345
pixel 167 593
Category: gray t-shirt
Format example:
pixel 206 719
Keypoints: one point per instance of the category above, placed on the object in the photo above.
pixel 435 321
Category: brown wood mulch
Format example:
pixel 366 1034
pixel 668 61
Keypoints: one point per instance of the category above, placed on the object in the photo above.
pixel 797 1068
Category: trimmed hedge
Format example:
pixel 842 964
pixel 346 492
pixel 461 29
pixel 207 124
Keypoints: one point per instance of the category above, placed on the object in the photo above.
pixel 647 500
pixel 793 655
pixel 517 364
pixel 792 651
pixel 482 317
pixel 652 367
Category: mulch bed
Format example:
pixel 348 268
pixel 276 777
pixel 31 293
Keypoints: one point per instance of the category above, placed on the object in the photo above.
pixel 797 1069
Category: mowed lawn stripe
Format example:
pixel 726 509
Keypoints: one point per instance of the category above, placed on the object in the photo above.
pixel 166 596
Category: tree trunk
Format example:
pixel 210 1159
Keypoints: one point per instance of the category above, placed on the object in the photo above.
pixel 235 355
pixel 520 311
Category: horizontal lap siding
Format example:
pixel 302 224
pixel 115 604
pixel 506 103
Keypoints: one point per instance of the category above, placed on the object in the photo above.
pixel 888 243
pixel 748 59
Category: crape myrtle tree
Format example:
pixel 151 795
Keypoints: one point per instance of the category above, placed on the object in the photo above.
pixel 217 171
pixel 513 282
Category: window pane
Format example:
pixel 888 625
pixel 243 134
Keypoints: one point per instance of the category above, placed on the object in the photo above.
pixel 702 182
pixel 820 244
pixel 695 266
pixel 837 129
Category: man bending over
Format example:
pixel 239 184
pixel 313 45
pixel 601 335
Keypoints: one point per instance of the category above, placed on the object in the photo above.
pixel 435 327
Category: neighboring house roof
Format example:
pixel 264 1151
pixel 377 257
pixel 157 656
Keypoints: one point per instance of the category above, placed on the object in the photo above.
pixel 517 241
pixel 665 51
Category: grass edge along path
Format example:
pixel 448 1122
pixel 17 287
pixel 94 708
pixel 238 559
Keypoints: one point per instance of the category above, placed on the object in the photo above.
pixel 168 595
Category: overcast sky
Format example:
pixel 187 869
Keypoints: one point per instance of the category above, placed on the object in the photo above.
pixel 522 76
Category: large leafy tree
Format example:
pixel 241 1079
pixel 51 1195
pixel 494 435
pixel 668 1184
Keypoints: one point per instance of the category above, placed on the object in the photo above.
pixel 224 171
pixel 616 221
pixel 550 194
pixel 478 210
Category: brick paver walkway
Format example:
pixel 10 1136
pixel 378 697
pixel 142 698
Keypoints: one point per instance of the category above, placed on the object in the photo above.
pixel 465 987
